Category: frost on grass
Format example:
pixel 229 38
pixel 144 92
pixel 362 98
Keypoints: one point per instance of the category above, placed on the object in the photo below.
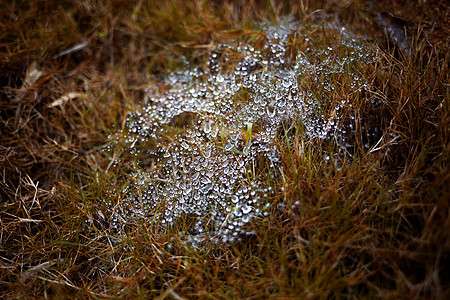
pixel 216 175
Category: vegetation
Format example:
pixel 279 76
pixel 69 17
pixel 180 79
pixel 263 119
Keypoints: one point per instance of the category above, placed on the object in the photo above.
pixel 372 224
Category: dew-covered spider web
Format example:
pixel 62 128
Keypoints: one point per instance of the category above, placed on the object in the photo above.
pixel 216 175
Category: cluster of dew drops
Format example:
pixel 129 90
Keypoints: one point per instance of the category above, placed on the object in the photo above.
pixel 207 176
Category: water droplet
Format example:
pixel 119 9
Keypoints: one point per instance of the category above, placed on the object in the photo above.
pixel 207 153
pixel 270 111
pixel 229 147
pixel 246 209
pixel 185 145
pixel 207 128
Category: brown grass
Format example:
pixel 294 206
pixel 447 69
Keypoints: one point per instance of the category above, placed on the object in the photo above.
pixel 376 226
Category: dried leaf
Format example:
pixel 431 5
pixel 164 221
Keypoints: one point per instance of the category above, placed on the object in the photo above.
pixel 33 75
pixel 22 220
pixel 62 100
pixel 396 29
pixel 193 44
pixel 33 270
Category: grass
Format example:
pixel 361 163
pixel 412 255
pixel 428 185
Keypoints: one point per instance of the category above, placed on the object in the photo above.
pixel 373 224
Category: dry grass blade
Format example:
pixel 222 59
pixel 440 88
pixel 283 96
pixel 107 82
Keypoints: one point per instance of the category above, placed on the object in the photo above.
pixel 45 265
